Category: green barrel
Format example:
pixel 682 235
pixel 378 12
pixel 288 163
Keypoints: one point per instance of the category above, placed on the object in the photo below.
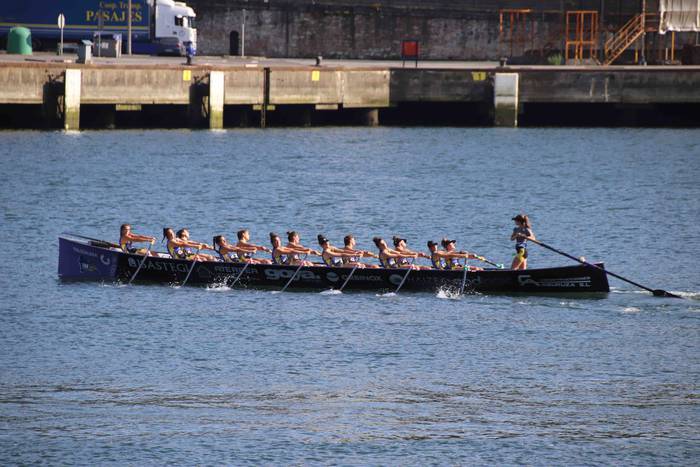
pixel 19 41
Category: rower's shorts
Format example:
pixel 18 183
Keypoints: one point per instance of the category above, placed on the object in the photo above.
pixel 521 251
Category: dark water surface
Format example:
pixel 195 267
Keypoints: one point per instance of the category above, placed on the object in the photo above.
pixel 107 374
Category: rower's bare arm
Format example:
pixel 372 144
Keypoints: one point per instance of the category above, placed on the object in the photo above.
pixel 139 238
pixel 394 254
pixel 417 254
pixel 252 245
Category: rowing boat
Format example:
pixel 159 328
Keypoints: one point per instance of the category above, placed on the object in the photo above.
pixel 85 259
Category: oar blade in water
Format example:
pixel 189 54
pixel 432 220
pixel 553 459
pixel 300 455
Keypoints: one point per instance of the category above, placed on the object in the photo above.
pixel 663 293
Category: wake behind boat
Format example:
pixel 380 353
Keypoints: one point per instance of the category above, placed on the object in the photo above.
pixel 86 259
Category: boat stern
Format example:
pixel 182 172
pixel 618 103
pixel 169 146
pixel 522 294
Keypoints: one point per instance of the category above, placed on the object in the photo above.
pixel 79 260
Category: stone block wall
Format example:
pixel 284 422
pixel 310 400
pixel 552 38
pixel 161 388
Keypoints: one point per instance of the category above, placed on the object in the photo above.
pixel 374 29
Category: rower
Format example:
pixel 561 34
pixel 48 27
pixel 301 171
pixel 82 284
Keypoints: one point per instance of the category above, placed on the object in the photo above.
pixel 127 237
pixel 332 256
pixel 453 256
pixel 176 246
pixel 293 243
pixel 437 257
pixel 280 254
pixel 352 257
pixel 250 248
pixel 233 253
pixel 184 234
pixel 387 256
pixel 403 262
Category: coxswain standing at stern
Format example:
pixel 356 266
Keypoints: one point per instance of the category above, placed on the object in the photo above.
pixel 522 232
pixel 127 237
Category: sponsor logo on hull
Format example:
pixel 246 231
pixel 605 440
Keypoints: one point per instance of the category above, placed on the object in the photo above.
pixel 277 274
pixel 161 266
pixel 230 269
pixel 332 277
pixel 583 282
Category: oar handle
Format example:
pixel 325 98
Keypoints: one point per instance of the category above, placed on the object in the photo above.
pixel 481 258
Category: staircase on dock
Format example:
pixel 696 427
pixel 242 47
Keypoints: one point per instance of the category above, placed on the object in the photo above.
pixel 627 35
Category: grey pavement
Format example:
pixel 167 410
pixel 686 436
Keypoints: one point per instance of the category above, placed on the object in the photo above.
pixel 254 62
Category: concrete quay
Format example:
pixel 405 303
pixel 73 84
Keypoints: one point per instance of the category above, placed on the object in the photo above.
pixel 250 93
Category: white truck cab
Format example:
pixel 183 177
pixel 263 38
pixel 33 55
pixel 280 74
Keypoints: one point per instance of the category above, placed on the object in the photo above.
pixel 175 19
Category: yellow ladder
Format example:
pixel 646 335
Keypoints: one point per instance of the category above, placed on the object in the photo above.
pixel 630 32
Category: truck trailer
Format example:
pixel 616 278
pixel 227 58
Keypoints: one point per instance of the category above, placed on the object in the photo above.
pixel 157 26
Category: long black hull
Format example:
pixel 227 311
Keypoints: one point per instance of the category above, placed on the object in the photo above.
pixel 84 260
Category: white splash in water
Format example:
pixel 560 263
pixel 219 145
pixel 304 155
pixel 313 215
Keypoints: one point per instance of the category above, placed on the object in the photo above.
pixel 331 292
pixel 448 294
pixel 386 295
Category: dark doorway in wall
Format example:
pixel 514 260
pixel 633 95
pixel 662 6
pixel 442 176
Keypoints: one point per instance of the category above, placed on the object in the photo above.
pixel 233 43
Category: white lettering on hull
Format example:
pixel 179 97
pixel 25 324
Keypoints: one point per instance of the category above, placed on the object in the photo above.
pixel 566 283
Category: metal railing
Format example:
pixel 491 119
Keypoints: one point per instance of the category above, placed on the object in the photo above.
pixel 630 32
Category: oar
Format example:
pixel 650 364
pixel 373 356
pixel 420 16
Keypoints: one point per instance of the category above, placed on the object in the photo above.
pixel 464 278
pixel 348 279
pixel 498 265
pixel 294 275
pixel 408 271
pixel 655 292
pixel 239 275
pixel 194 262
pixel 113 245
pixel 148 252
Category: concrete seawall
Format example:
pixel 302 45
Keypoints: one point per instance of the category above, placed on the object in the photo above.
pixel 217 97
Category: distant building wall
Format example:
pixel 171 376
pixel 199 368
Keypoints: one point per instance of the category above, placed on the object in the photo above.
pixel 374 29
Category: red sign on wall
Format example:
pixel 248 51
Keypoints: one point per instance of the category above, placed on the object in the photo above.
pixel 409 50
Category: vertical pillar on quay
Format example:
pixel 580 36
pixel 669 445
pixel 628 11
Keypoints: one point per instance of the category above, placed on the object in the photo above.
pixel 216 100
pixel 71 99
pixel 266 97
pixel 505 99
pixel 370 117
